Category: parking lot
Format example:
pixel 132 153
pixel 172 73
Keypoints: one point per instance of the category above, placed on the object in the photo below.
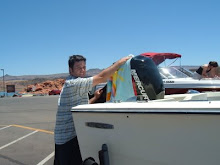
pixel 26 130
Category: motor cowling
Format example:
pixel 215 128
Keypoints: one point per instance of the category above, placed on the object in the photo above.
pixel 147 82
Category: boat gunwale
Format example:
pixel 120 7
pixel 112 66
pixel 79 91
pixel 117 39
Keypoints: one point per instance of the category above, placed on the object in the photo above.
pixel 150 110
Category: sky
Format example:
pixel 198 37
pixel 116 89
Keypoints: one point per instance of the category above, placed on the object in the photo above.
pixel 38 36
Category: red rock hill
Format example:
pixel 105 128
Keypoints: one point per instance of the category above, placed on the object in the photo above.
pixel 45 87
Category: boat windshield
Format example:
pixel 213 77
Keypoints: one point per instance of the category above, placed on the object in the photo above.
pixel 170 72
pixel 186 71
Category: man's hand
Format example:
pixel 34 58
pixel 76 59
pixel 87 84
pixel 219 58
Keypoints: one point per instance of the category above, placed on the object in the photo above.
pixel 97 95
pixel 123 60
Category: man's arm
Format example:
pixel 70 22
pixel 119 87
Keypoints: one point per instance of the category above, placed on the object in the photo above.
pixel 204 74
pixel 105 74
pixel 213 72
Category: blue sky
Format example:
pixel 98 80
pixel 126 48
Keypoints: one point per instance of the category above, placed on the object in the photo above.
pixel 38 36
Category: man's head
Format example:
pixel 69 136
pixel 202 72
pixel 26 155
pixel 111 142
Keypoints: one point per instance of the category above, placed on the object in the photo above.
pixel 213 64
pixel 77 65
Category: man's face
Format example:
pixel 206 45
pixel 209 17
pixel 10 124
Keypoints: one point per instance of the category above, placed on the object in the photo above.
pixel 79 69
pixel 210 67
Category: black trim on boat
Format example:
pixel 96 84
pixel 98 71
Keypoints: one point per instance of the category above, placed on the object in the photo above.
pixel 99 125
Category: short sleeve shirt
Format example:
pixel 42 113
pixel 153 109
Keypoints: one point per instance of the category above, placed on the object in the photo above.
pixel 74 92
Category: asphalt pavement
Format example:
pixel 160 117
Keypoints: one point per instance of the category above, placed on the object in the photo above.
pixel 26 130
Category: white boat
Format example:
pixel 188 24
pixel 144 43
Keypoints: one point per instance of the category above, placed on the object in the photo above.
pixel 180 129
pixel 177 82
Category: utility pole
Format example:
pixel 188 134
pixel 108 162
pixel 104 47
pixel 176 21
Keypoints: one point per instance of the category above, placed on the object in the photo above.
pixel 3 79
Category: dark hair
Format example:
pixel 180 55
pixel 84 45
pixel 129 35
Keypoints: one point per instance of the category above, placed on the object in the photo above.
pixel 75 58
pixel 213 63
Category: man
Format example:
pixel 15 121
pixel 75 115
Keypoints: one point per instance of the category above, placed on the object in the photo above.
pixel 75 92
pixel 206 71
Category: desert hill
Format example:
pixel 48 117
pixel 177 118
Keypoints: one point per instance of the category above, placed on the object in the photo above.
pixel 44 87
pixel 7 77
pixel 39 84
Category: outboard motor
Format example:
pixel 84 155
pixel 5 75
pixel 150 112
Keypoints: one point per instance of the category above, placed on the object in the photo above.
pixel 147 79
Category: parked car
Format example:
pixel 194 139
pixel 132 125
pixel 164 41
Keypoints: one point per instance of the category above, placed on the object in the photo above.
pixel 54 92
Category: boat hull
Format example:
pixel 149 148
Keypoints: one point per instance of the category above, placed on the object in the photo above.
pixel 150 137
pixel 183 85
